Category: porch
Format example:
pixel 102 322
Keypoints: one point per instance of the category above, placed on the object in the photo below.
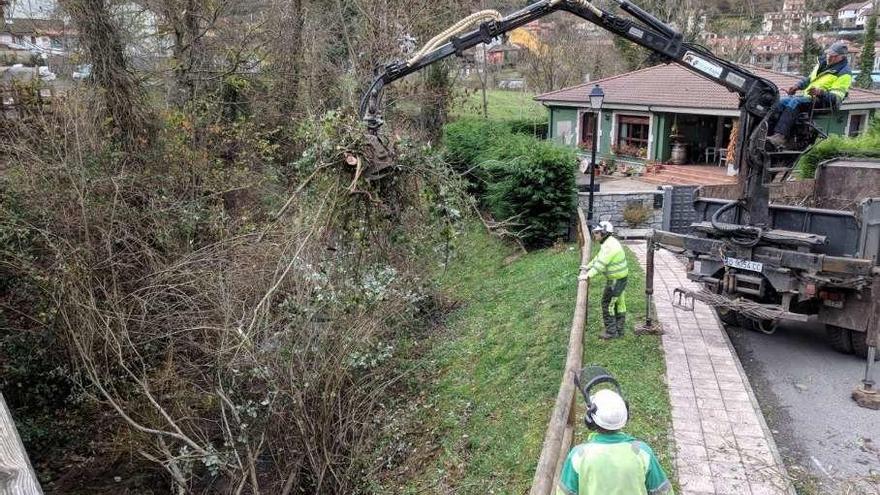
pixel 689 175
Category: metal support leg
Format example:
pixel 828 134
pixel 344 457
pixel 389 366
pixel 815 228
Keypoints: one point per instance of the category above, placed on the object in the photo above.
pixel 649 326
pixel 867 395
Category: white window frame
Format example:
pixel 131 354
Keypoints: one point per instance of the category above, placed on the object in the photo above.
pixel 650 155
pixel 863 113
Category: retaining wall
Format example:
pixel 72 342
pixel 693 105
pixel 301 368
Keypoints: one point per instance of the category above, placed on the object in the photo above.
pixel 610 205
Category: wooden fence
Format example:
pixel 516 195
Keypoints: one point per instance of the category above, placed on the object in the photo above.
pixel 560 431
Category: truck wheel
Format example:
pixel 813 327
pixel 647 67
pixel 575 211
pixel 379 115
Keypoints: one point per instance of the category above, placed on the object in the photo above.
pixel 840 339
pixel 728 317
pixel 860 346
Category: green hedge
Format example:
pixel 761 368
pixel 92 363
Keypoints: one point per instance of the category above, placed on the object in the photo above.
pixel 867 146
pixel 515 174
pixel 529 127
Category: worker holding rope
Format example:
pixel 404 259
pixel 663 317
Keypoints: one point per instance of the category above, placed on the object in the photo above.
pixel 610 262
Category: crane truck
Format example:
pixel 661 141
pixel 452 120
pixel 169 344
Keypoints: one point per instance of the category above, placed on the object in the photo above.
pixel 758 263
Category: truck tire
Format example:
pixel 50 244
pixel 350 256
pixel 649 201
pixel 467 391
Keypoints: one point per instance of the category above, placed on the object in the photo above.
pixel 860 346
pixel 840 339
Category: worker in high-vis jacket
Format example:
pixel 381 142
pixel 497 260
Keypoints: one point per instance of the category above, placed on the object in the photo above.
pixel 611 462
pixel 826 86
pixel 610 262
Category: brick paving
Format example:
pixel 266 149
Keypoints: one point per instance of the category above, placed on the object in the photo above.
pixel 723 445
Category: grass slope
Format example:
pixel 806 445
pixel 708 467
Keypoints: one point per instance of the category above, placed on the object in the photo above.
pixel 502 105
pixel 498 364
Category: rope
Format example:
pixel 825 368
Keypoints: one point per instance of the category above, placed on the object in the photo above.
pixel 456 28
pixel 596 10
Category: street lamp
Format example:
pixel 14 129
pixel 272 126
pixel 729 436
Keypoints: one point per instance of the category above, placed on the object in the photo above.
pixel 596 97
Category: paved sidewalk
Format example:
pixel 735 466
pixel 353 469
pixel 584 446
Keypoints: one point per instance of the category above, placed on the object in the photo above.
pixel 723 445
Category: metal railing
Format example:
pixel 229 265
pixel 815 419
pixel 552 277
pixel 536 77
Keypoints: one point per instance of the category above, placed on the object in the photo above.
pixel 560 431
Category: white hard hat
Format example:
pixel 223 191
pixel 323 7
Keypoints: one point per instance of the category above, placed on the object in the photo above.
pixel 604 226
pixel 611 413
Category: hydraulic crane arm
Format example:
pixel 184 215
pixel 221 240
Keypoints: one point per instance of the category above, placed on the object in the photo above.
pixel 757 95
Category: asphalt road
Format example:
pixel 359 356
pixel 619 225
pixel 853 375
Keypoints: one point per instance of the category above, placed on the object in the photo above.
pixel 829 443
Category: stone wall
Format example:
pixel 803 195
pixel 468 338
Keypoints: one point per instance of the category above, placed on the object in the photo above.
pixel 610 206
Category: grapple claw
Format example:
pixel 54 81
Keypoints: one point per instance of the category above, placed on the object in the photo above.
pixel 378 156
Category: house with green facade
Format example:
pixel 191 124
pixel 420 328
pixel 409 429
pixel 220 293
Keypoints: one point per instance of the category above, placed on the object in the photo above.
pixel 667 113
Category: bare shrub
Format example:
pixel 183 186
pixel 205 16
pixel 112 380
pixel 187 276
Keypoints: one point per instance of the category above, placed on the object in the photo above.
pixel 246 345
pixel 636 214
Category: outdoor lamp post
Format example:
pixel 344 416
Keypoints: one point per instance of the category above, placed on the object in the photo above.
pixel 596 97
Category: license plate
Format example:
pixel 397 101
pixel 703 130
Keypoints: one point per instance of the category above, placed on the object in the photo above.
pixel 754 266
pixel 833 304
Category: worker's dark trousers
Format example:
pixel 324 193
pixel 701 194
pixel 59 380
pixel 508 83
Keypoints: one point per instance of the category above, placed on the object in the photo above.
pixel 612 316
pixel 788 109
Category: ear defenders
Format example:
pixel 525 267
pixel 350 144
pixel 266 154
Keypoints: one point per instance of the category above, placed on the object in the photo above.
pixel 600 377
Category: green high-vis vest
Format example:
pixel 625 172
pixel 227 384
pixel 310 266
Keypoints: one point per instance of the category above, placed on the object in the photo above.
pixel 613 464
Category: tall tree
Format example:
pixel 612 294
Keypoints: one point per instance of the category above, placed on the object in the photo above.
pixel 866 64
pixel 122 97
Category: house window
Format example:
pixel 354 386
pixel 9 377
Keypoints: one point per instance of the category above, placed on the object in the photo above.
pixel 632 135
pixel 856 124
pixel 588 130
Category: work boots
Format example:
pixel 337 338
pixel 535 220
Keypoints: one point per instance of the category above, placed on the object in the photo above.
pixel 611 330
pixel 621 324
pixel 778 140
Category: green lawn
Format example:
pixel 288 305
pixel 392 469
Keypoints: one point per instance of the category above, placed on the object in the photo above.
pixel 496 368
pixel 502 105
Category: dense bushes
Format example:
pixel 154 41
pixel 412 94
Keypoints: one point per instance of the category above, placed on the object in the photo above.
pixel 867 145
pixel 517 177
pixel 529 127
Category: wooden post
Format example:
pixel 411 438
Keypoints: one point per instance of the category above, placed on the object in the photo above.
pixel 17 477
pixel 560 431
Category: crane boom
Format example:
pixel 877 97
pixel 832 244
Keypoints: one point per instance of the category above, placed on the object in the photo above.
pixel 757 95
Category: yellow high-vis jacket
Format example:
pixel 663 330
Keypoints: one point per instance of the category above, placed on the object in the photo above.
pixel 835 79
pixel 610 261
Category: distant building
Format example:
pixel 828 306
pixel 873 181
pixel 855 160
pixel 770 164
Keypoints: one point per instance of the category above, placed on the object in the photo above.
pixel 792 17
pixel 862 16
pixel 776 52
pixel 505 54
pixel 848 15
pixel 39 36
pixel 823 18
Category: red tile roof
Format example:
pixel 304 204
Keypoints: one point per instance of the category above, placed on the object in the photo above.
pixel 674 86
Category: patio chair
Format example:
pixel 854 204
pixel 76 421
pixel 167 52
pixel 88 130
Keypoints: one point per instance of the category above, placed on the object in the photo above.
pixel 722 157
pixel 711 152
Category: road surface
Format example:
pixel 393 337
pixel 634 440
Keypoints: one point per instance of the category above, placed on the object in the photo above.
pixel 829 444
